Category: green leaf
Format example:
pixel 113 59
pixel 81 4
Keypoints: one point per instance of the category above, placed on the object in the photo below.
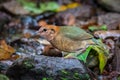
pixel 101 56
pixel 33 9
pixel 46 6
pixel 83 56
pixel 44 78
pixel 94 28
pixel 102 60
pixel 103 27
pixel 49 6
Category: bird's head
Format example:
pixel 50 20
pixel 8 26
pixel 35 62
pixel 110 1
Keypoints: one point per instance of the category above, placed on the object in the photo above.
pixel 48 31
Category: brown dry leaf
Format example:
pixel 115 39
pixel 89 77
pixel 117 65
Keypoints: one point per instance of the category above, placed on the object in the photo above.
pixel 15 7
pixel 69 19
pixel 5 50
pixel 87 24
pixel 27 35
pixel 107 34
pixel 110 43
pixel 42 23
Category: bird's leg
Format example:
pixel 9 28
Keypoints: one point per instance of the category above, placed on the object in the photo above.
pixel 72 54
pixel 64 53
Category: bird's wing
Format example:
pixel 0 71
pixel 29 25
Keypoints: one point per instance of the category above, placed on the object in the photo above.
pixel 75 33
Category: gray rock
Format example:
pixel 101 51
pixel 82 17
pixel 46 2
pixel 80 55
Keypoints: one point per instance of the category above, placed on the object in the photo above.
pixel 50 68
pixel 113 5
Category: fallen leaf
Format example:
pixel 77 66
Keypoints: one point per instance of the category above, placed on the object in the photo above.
pixel 68 6
pixel 107 34
pixel 46 6
pixel 27 35
pixel 84 55
pixel 86 24
pixel 62 8
pixel 6 51
pixel 101 56
pixel 73 5
pixel 15 7
pixel 96 28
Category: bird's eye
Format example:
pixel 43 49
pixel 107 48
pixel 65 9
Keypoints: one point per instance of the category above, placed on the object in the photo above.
pixel 44 30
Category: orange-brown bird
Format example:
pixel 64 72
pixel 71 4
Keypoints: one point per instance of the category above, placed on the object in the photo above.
pixel 67 39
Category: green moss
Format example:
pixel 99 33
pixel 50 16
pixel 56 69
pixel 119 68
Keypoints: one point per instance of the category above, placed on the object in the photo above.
pixel 3 77
pixel 28 64
pixel 64 72
pixel 86 76
pixel 118 78
pixel 76 75
pixel 64 78
pixel 44 78
pixel 47 79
